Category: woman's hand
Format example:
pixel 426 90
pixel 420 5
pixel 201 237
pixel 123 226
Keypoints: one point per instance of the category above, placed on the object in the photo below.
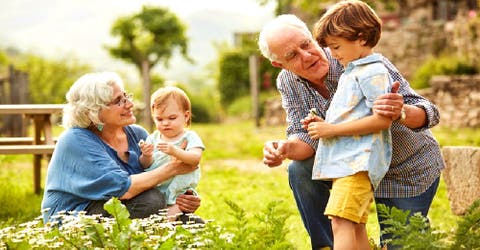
pixel 188 202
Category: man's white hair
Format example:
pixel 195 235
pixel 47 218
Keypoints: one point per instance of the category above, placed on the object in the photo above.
pixel 277 24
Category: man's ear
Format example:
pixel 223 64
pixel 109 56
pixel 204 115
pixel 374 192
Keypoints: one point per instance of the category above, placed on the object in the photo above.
pixel 277 64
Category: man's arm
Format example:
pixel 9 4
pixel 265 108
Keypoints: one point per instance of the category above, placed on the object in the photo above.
pixel 274 152
pixel 420 112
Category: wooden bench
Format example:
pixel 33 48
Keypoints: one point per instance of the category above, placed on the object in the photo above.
pixel 41 149
pixel 41 144
pixel 21 141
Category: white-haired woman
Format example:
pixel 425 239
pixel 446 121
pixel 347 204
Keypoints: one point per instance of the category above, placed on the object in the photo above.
pixel 96 157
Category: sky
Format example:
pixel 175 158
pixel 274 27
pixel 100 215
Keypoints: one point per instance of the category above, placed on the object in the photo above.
pixel 79 29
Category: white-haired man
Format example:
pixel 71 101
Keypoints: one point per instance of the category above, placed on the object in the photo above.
pixel 309 80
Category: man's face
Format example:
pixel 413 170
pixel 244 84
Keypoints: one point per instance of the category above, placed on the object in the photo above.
pixel 299 53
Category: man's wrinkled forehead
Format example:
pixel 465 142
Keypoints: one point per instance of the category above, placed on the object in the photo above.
pixel 287 39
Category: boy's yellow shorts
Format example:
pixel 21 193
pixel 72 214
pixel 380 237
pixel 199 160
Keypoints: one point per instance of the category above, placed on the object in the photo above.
pixel 350 198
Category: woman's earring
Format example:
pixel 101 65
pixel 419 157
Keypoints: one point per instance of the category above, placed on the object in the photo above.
pixel 100 127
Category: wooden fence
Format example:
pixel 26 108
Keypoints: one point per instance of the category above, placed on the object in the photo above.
pixel 14 90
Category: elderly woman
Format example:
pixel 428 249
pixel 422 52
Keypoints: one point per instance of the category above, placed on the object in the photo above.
pixel 97 157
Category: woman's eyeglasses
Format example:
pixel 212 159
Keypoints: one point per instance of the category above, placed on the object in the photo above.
pixel 120 101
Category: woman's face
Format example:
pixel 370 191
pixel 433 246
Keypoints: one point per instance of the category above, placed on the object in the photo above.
pixel 119 111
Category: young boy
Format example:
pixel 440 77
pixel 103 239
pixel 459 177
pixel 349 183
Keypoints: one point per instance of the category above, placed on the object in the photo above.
pixel 354 149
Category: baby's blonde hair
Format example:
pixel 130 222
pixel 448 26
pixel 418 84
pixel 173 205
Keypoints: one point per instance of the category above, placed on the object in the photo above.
pixel 162 95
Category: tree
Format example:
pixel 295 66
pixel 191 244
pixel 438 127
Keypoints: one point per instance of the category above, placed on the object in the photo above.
pixel 146 39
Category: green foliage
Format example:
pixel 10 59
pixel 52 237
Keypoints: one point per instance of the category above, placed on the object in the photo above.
pixel 50 80
pixel 204 105
pixel 445 65
pixel 457 136
pixel 467 235
pixel 267 231
pixel 149 36
pixel 242 106
pixel 234 76
pixel 410 232
pixel 415 232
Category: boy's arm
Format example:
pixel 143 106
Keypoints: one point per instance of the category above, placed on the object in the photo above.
pixel 366 125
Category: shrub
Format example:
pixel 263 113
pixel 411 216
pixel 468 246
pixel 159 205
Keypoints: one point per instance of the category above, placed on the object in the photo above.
pixel 440 66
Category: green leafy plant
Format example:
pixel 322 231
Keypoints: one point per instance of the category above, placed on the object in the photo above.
pixel 445 65
pixel 467 235
pixel 410 232
pixel 415 232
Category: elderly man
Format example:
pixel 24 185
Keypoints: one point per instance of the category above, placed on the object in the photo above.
pixel 309 80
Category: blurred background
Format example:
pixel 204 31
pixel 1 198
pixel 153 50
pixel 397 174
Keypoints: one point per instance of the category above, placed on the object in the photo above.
pixel 204 47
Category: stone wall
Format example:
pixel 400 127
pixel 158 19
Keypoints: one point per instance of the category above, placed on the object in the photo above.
pixel 462 176
pixel 457 98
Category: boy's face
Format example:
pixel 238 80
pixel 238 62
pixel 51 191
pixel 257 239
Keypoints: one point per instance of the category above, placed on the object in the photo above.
pixel 170 119
pixel 298 53
pixel 346 51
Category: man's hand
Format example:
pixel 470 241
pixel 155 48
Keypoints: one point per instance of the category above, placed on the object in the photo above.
pixel 390 104
pixel 274 152
pixel 188 202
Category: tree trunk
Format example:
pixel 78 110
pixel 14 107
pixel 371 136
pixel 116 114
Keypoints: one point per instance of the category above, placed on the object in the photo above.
pixel 147 119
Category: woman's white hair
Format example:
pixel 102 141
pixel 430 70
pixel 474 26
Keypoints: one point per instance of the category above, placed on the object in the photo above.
pixel 273 27
pixel 87 96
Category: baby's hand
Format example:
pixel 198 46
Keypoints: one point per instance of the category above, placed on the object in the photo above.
pixel 146 148
pixel 166 147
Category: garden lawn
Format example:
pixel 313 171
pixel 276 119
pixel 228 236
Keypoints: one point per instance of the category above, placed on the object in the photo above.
pixel 232 170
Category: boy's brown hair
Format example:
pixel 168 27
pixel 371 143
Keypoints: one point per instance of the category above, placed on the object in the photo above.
pixel 161 95
pixel 352 20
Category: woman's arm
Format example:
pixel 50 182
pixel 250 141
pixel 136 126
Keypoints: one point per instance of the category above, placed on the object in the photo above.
pixel 147 180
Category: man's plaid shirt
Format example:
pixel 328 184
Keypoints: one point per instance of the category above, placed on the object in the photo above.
pixel 416 161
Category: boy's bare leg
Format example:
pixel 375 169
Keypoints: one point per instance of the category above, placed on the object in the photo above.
pixel 361 236
pixel 343 234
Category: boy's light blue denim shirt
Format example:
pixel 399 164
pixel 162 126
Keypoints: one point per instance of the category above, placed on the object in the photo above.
pixel 359 86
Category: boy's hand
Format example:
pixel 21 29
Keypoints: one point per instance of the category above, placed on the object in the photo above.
pixel 309 119
pixel 320 129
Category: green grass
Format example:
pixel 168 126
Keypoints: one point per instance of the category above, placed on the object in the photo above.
pixel 231 170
